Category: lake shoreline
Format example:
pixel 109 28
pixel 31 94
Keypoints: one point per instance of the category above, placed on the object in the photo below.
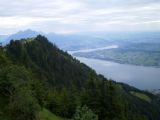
pixel 142 77
pixel 116 61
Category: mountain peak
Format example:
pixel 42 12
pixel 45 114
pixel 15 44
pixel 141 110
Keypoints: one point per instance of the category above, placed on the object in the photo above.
pixel 28 33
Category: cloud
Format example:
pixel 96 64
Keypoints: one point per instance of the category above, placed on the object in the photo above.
pixel 68 16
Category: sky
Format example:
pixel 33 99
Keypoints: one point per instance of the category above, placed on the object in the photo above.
pixel 76 16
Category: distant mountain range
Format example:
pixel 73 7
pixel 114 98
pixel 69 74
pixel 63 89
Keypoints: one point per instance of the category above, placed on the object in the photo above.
pixel 85 41
pixel 65 42
pixel 133 37
pixel 19 35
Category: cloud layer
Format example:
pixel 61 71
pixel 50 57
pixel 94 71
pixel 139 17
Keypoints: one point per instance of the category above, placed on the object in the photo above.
pixel 68 16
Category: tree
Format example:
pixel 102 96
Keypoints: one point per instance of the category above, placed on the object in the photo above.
pixel 62 102
pixel 3 59
pixel 15 89
pixel 84 113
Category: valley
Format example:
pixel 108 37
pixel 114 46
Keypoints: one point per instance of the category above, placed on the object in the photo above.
pixel 134 65
pixel 141 54
pixel 80 60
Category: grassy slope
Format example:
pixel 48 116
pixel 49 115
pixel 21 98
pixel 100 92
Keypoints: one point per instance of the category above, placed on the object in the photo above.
pixel 141 96
pixel 47 115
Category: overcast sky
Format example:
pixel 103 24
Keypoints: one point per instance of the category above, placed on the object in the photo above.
pixel 71 16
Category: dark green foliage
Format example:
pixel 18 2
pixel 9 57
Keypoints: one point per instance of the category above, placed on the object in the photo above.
pixel 84 113
pixel 62 102
pixel 34 74
pixel 103 98
pixel 16 93
pixel 48 62
pixel 3 59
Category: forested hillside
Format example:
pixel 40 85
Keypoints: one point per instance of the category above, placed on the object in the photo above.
pixel 37 80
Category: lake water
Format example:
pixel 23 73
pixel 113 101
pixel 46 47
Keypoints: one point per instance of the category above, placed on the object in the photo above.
pixel 138 76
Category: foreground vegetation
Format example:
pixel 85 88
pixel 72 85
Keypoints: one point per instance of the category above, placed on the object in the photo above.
pixel 47 115
pixel 141 96
pixel 39 81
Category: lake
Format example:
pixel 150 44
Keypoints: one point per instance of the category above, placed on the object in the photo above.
pixel 145 78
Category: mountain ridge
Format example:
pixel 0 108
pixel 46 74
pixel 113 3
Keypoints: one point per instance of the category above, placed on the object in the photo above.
pixel 60 83
pixel 64 41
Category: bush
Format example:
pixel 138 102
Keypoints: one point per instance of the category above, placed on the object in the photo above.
pixel 84 113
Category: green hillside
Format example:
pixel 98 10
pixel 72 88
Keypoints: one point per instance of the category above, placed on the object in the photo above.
pixel 47 115
pixel 39 81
